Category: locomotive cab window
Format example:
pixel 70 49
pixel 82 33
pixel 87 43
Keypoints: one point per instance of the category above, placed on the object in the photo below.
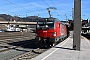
pixel 44 24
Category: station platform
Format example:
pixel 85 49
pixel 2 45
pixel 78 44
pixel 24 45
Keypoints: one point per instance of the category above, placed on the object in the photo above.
pixel 64 51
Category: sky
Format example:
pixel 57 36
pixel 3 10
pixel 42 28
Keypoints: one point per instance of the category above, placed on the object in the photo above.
pixel 23 8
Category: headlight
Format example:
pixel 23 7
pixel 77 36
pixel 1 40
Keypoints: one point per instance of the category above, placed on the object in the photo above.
pixel 54 34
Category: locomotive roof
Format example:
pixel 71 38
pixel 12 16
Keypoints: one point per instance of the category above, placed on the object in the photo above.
pixel 51 19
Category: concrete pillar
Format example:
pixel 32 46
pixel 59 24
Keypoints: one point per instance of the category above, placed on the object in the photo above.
pixel 77 25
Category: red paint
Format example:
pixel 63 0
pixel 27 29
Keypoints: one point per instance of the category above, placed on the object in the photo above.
pixel 60 29
pixel 50 29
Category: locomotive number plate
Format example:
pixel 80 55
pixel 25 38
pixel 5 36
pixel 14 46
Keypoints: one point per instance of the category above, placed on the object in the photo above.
pixel 44 31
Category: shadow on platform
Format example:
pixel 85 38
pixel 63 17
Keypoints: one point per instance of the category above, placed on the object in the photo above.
pixel 65 48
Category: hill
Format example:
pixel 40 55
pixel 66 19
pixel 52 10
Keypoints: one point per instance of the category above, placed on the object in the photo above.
pixel 5 17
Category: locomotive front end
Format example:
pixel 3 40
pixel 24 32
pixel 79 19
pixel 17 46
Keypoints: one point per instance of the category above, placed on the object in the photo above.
pixel 45 30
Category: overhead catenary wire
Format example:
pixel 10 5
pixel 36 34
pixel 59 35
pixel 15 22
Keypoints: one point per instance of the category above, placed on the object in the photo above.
pixel 55 5
pixel 56 11
pixel 23 7
pixel 86 9
pixel 45 3
pixel 7 11
pixel 59 9
pixel 28 11
pixel 17 5
pixel 49 6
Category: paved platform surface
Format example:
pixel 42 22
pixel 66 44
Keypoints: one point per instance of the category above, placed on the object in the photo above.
pixel 64 51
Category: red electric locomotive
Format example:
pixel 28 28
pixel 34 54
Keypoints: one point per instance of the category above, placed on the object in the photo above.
pixel 50 31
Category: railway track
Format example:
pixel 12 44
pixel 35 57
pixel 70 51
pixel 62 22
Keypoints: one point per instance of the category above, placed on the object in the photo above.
pixel 15 44
pixel 10 35
pixel 7 38
pixel 87 35
pixel 30 55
